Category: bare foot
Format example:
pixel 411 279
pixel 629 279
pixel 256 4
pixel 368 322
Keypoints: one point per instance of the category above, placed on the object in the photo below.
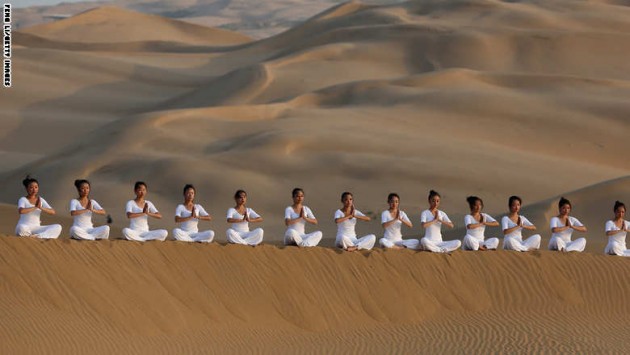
pixel 352 248
pixel 483 248
pixel 397 247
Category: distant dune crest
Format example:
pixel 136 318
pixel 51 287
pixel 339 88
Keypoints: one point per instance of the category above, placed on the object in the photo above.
pixel 110 24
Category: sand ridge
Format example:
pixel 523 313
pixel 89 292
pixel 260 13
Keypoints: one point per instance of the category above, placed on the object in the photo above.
pixel 116 286
pixel 110 24
pixel 263 20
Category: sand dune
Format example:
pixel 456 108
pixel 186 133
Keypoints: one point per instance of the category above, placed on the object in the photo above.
pixel 109 24
pixel 267 18
pixel 32 41
pixel 73 296
pixel 491 98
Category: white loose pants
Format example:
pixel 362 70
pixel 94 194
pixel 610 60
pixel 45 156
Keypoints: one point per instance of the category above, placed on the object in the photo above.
pixel 473 243
pixel 530 243
pixel 101 232
pixel 293 237
pixel 44 232
pixel 576 245
pixel 364 243
pixel 406 243
pixel 201 237
pixel 252 238
pixel 440 247
pixel 139 236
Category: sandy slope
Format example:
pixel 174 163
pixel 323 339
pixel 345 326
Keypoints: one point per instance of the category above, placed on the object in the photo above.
pixel 110 24
pixel 266 18
pixel 72 296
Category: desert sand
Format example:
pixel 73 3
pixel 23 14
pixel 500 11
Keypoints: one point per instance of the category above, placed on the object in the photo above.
pixel 264 19
pixel 477 97
pixel 112 296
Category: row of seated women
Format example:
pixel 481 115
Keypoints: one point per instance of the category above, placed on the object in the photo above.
pixel 189 213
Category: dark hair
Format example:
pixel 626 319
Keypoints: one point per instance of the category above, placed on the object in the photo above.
pixel 619 204
pixel 433 193
pixel 563 201
pixel 343 195
pixel 138 184
pixel 188 186
pixel 514 198
pixel 29 180
pixel 238 193
pixel 472 199
pixel 295 191
pixel 79 182
pixel 391 196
